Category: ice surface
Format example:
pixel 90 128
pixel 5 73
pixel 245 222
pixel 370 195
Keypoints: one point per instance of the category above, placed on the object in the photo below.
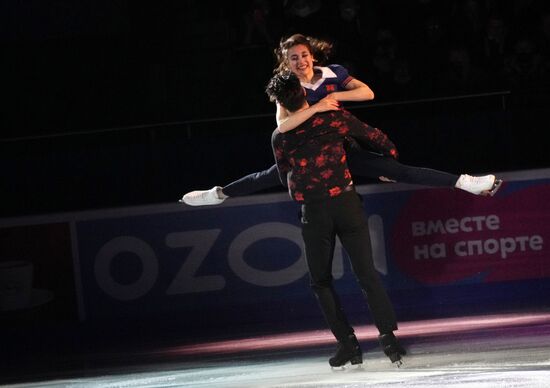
pixel 507 356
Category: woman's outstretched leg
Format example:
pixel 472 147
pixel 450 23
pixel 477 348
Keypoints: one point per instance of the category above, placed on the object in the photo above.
pixel 248 184
pixel 372 165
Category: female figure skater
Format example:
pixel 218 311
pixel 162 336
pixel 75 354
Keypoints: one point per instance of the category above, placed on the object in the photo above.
pixel 325 87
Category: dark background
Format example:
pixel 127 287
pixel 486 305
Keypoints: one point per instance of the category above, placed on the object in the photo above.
pixel 119 102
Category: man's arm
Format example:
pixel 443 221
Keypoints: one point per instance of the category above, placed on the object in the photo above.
pixel 367 135
pixel 283 167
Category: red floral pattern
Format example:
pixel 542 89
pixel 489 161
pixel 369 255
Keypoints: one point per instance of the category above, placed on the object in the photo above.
pixel 312 160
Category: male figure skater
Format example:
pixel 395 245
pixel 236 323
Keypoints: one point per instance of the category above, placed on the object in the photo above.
pixel 311 162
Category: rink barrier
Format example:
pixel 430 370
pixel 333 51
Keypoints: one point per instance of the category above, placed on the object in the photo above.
pixel 439 252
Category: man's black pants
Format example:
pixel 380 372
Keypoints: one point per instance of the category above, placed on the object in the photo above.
pixel 343 216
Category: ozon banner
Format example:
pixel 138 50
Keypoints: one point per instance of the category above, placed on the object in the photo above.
pixel 249 252
pixel 191 259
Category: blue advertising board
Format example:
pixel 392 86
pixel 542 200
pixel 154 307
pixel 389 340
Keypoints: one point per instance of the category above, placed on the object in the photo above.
pixel 439 251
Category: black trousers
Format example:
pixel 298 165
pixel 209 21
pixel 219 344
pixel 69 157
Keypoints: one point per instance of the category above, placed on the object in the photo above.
pixel 361 163
pixel 343 216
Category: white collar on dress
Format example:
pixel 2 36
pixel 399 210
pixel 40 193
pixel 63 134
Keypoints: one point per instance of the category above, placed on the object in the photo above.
pixel 326 72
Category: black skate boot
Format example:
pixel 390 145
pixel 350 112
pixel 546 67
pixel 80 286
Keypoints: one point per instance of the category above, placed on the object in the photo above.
pixel 348 350
pixel 392 348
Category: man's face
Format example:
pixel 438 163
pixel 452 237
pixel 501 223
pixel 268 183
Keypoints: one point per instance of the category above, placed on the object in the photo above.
pixel 300 61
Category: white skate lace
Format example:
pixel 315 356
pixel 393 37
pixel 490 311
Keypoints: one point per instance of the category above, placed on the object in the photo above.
pixel 204 195
pixel 477 180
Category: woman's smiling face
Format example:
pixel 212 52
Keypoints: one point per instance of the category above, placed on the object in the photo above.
pixel 300 61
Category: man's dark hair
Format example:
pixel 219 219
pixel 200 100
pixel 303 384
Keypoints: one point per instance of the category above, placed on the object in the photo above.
pixel 285 88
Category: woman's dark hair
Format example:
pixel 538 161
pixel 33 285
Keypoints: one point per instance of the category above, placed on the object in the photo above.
pixel 320 49
pixel 285 88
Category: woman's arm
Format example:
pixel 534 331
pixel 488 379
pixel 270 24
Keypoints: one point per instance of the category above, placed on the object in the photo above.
pixel 288 122
pixel 355 91
pixel 281 115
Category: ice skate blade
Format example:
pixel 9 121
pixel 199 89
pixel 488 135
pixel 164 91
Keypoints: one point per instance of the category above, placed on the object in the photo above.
pixel 395 358
pixel 347 367
pixel 494 189
pixel 398 363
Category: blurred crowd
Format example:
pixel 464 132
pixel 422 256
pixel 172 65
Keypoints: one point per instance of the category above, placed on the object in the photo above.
pixel 415 48
pixel 117 63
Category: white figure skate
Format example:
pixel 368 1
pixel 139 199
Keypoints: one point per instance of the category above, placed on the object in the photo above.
pixel 214 196
pixel 479 185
